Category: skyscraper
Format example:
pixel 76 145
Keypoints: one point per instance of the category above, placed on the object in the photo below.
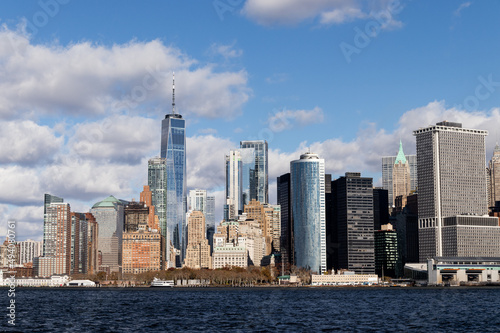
pixel 307 188
pixel 48 199
pixel 109 215
pixel 157 182
pixel 199 200
pixel 57 236
pixel 198 249
pixel 494 177
pixel 388 163
pixel 283 187
pixel 401 182
pixel 233 185
pixel 173 150
pixel 451 180
pixel 258 181
pixel 79 243
pixel 353 218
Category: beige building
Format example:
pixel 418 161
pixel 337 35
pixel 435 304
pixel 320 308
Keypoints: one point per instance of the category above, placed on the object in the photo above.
pixel 230 255
pixel 493 177
pixel 250 237
pixel 345 278
pixel 268 218
pixel 92 236
pixel 198 249
pixel 141 251
pixel 401 182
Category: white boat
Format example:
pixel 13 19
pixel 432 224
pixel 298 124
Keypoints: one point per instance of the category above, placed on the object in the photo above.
pixel 162 283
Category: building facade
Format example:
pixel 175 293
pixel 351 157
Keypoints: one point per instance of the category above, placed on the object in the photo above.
pixel 79 243
pixel 198 249
pixel 386 252
pixel 353 219
pixel 57 237
pixel 307 188
pixel 173 150
pixel 28 250
pixel 388 163
pixel 286 241
pixel 157 183
pixel 493 172
pixel 452 181
pixel 401 177
pixel 233 206
pixel 109 214
pixel 258 177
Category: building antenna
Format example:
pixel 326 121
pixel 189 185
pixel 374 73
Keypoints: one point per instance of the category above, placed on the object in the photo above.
pixel 173 92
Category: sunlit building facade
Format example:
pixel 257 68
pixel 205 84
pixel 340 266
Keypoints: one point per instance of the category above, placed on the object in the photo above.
pixel 307 187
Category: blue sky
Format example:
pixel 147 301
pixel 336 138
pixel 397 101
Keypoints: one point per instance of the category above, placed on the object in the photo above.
pixel 84 86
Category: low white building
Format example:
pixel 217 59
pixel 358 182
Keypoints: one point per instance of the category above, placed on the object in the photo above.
pixel 344 279
pixel 53 281
pixel 454 270
pixel 81 283
pixel 230 255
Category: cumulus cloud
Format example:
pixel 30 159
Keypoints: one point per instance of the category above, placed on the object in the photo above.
pixel 118 138
pixel 25 142
pixel 290 12
pixel 92 79
pixel 286 119
pixel 205 161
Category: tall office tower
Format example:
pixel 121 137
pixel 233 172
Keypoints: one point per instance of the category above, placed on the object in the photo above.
pixel 136 213
pixel 380 204
pixel 233 185
pixel 92 244
pixel 173 150
pixel 248 175
pixel 157 182
pixel 307 188
pixel 331 228
pixel 198 249
pixel 57 238
pixel 109 214
pixel 48 199
pixel 401 182
pixel 353 217
pixel 199 200
pixel 406 223
pixel 451 180
pixel 210 212
pixel 386 252
pixel 79 243
pixel 388 163
pixel 260 171
pixel 28 250
pixel 493 172
pixel 268 218
pixel 283 188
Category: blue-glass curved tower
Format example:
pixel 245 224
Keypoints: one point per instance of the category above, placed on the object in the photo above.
pixel 307 189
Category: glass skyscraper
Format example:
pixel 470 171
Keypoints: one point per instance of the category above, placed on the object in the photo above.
pixel 257 185
pixel 157 182
pixel 307 188
pixel 173 150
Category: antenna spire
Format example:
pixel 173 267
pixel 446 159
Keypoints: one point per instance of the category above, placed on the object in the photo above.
pixel 173 92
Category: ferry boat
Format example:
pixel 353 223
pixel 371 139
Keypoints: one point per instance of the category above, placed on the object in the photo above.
pixel 162 283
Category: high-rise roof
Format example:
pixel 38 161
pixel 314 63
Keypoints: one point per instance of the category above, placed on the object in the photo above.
pixel 401 155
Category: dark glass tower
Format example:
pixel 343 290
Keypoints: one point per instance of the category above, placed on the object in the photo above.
pixel 255 180
pixel 173 149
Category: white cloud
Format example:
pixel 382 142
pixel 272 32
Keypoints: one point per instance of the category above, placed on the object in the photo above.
pixel 286 119
pixel 121 139
pixel 290 12
pixel 277 78
pixel 207 131
pixel 464 5
pixel 25 142
pixel 205 161
pixel 94 79
pixel 225 50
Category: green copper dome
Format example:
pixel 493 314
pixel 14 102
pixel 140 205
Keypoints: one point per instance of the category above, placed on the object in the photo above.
pixel 108 202
pixel 401 156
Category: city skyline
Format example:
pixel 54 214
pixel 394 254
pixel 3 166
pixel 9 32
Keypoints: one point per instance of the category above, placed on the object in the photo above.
pixel 84 134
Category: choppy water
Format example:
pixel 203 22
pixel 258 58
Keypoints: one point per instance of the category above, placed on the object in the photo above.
pixel 255 309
